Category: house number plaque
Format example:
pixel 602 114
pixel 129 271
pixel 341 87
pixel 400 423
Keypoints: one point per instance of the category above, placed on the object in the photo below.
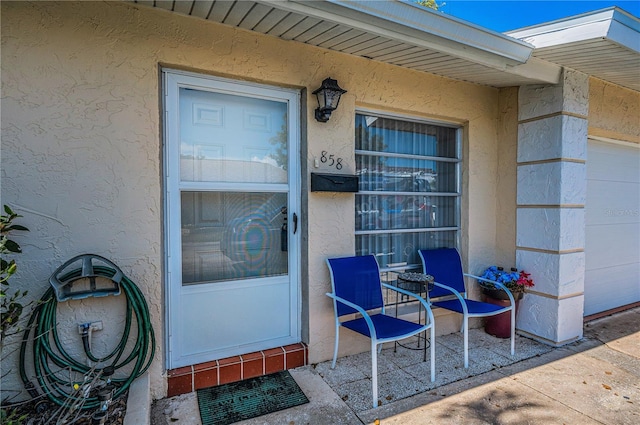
pixel 330 159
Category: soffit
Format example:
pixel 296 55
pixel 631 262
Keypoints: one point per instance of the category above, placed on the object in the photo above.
pixel 604 44
pixel 395 32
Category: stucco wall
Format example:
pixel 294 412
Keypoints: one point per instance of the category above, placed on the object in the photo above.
pixel 507 177
pixel 82 147
pixel 614 111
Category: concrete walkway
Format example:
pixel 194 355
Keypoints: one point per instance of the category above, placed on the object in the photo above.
pixel 593 381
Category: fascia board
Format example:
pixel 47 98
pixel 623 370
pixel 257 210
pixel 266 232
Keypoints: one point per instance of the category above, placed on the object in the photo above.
pixel 625 36
pixel 555 37
pixel 538 70
pixel 563 24
pixel 612 24
pixel 407 22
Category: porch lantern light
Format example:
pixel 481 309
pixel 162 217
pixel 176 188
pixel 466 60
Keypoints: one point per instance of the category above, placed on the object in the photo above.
pixel 328 98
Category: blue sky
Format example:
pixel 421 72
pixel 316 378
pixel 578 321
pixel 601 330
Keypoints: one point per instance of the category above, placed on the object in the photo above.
pixel 505 15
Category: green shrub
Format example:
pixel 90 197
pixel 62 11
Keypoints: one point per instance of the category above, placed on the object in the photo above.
pixel 10 306
pixel 11 417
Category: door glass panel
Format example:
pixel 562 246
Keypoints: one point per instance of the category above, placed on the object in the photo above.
pixel 233 235
pixel 231 138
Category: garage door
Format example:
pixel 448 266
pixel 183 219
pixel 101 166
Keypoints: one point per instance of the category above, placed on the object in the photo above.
pixel 612 247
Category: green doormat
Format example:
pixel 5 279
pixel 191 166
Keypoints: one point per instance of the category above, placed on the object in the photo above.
pixel 229 403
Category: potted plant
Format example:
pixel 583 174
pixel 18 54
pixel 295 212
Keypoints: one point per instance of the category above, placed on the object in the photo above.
pixel 516 282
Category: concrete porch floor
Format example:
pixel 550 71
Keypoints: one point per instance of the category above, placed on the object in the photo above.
pixel 593 381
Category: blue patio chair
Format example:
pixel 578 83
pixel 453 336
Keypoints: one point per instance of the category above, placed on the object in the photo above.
pixel 446 268
pixel 357 288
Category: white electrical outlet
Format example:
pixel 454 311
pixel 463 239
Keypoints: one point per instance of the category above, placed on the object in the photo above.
pixel 94 326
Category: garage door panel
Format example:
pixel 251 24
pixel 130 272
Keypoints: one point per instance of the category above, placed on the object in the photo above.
pixel 609 246
pixel 610 162
pixel 612 287
pixel 612 231
pixel 617 203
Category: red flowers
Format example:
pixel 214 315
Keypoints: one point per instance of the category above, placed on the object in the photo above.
pixel 524 279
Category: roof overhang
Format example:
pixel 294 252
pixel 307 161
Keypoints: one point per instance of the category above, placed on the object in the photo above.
pixel 396 32
pixel 408 22
pixel 604 44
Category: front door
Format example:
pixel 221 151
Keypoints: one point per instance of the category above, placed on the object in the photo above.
pixel 232 210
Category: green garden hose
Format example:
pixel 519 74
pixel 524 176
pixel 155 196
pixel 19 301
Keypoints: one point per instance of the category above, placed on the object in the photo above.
pixel 53 366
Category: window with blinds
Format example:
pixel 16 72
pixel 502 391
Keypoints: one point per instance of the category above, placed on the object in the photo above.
pixel 409 194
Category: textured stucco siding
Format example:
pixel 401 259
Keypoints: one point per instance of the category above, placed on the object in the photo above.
pixel 82 145
pixel 506 178
pixel 614 111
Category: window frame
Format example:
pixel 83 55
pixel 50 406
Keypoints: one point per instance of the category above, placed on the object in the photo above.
pixel 457 193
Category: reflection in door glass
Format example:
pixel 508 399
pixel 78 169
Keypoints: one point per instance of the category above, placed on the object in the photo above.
pixel 229 138
pixel 233 235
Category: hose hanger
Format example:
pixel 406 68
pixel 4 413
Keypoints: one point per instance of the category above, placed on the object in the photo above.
pixel 64 379
pixel 69 281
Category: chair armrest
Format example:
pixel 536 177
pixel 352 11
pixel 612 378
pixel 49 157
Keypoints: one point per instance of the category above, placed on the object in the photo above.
pixel 365 315
pixel 424 302
pixel 496 284
pixel 408 293
pixel 457 295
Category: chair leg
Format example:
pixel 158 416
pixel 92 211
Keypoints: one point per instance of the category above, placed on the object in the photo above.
pixel 465 335
pixel 335 348
pixel 432 343
pixel 374 373
pixel 424 348
pixel 513 331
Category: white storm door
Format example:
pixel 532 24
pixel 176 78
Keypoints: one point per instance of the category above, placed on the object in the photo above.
pixel 232 205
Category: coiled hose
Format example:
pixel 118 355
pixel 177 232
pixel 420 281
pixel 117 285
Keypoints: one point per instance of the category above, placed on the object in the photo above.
pixel 43 326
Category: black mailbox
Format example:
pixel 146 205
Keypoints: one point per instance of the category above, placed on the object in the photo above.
pixel 333 183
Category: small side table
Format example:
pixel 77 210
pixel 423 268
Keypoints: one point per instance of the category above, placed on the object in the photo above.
pixel 417 283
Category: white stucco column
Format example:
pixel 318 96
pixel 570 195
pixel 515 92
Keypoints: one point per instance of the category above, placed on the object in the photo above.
pixel 552 149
